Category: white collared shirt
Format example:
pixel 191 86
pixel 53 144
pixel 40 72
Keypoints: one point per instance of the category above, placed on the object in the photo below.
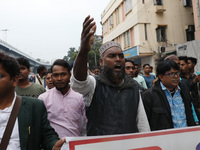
pixel 14 143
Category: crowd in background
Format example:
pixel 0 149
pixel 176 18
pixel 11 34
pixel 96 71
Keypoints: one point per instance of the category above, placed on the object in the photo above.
pixel 117 98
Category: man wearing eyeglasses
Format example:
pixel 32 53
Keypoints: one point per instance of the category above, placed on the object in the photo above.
pixel 65 107
pixel 31 129
pixel 168 103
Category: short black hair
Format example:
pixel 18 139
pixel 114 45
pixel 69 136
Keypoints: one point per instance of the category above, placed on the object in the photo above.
pixel 184 58
pixel 193 60
pixel 49 71
pixel 164 66
pixel 97 67
pixel 24 61
pixel 40 68
pixel 61 62
pixel 10 64
pixel 127 60
pixel 145 65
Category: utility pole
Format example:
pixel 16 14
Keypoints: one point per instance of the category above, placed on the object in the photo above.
pixel 5 34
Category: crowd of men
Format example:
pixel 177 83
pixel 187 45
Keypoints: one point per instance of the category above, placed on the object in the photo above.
pixel 116 99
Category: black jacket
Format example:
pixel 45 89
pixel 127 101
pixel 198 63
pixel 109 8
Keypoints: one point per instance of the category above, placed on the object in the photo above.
pixel 193 89
pixel 113 109
pixel 158 109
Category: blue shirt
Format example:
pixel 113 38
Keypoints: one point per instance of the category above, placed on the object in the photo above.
pixel 149 80
pixel 177 107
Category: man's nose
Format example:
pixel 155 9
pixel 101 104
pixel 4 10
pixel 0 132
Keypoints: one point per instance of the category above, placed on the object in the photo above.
pixel 59 77
pixel 117 57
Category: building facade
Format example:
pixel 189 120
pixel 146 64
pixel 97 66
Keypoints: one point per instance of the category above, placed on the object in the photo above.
pixel 196 10
pixel 148 29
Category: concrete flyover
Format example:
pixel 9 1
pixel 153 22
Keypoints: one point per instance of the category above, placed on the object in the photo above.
pixel 13 52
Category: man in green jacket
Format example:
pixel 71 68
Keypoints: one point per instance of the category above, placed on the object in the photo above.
pixel 31 130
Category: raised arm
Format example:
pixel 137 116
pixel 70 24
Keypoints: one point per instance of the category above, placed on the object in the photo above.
pixel 87 36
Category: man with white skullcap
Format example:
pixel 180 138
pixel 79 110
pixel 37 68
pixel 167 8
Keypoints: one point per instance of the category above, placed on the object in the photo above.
pixel 113 100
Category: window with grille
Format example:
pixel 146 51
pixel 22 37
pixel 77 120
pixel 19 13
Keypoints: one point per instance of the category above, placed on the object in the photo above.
pixel 126 38
pixel 161 34
pixel 158 2
pixel 187 3
pixel 190 32
pixel 111 21
pixel 128 5
pixel 117 16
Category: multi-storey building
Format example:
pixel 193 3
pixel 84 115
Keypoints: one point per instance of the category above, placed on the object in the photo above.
pixel 147 29
pixel 196 10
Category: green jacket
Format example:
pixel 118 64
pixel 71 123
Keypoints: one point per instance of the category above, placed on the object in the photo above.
pixel 34 128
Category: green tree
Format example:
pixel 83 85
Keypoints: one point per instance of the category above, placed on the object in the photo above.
pixel 71 55
pixel 93 56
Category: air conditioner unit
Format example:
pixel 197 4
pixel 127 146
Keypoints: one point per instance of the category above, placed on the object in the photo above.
pixel 161 49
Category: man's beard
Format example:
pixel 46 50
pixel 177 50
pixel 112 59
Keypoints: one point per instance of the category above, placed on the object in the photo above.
pixel 136 74
pixel 114 77
pixel 183 72
pixel 62 87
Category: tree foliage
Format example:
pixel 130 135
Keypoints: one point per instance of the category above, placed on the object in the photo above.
pixel 72 53
pixel 94 50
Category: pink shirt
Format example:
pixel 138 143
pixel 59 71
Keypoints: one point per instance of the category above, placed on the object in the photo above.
pixel 66 113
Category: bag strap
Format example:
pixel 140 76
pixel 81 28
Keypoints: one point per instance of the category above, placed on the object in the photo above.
pixel 9 128
pixel 39 79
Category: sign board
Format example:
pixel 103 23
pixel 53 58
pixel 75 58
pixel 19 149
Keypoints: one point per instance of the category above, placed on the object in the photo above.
pixel 134 51
pixel 190 49
pixel 172 139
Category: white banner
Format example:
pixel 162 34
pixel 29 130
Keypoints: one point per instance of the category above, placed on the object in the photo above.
pixel 172 139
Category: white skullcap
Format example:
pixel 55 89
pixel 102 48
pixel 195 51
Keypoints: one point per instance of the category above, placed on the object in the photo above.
pixel 108 45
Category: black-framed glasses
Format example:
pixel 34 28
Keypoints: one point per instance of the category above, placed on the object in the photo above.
pixel 172 74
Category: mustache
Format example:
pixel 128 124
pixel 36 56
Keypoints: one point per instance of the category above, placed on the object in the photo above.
pixel 113 76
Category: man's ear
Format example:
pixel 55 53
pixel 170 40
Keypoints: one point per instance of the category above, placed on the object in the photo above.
pixel 70 74
pixel 15 80
pixel 160 76
pixel 29 70
pixel 100 62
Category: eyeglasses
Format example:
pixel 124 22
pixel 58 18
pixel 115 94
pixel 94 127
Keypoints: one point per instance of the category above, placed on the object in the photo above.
pixel 172 74
pixel 1 76
pixel 128 67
